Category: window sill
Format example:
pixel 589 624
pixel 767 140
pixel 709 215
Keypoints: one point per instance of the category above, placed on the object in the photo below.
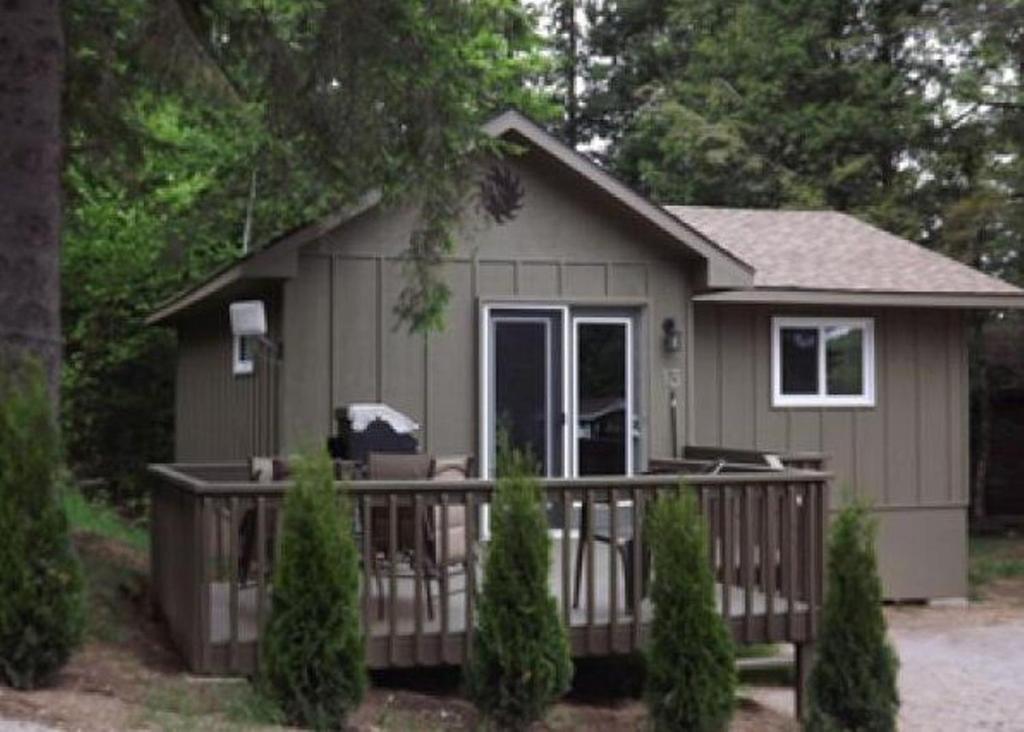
pixel 818 403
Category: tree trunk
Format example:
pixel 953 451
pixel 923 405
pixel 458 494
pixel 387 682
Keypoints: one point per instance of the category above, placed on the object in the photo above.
pixel 31 72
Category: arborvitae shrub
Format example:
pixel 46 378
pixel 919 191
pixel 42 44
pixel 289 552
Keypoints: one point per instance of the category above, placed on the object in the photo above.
pixel 853 682
pixel 521 662
pixel 313 655
pixel 42 613
pixel 691 672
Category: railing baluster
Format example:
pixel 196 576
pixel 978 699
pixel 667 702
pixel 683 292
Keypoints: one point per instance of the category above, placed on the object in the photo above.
pixel 808 552
pixel 443 600
pixel 567 558
pixel 393 578
pixel 233 579
pixel 747 562
pixel 613 566
pixel 201 565
pixel 418 575
pixel 261 569
pixel 639 567
pixel 791 560
pixel 369 559
pixel 725 507
pixel 472 535
pixel 768 564
pixel 588 507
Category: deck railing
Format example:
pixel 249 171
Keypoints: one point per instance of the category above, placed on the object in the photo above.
pixel 214 542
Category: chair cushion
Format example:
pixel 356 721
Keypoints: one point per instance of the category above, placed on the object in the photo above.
pixel 452 467
pixel 399 466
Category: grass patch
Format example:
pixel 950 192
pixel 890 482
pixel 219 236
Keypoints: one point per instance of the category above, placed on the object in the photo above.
pixel 222 705
pixel 756 650
pixel 99 518
pixel 113 552
pixel 993 558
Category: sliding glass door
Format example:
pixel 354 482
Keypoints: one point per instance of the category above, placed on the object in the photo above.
pixel 558 384
pixel 603 404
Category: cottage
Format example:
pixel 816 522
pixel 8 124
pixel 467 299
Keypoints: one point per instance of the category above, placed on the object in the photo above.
pixel 604 330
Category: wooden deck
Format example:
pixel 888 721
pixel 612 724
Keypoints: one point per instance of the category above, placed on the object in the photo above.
pixel 406 610
pixel 766 537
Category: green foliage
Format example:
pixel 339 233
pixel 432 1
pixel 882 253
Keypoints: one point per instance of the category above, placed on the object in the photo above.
pixel 159 184
pixel 746 103
pixel 691 674
pixel 853 683
pixel 313 661
pixel 97 517
pixel 41 590
pixel 388 96
pixel 521 662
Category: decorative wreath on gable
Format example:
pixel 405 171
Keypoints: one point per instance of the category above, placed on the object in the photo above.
pixel 501 193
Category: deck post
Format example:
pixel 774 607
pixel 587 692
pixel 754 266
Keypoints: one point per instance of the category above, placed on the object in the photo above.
pixel 804 663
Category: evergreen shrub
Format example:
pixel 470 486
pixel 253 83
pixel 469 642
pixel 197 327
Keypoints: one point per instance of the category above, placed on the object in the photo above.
pixel 853 682
pixel 691 672
pixel 313 664
pixel 521 662
pixel 42 614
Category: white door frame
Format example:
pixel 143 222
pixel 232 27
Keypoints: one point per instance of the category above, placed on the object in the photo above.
pixel 573 415
pixel 486 312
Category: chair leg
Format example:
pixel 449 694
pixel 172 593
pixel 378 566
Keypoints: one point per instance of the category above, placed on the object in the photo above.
pixel 380 594
pixel 626 552
pixel 430 598
pixel 579 572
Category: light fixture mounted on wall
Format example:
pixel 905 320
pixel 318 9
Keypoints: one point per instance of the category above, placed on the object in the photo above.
pixel 672 340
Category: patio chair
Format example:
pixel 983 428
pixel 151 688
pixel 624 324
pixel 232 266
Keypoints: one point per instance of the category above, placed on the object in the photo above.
pixel 624 543
pixel 446 469
pixel 394 466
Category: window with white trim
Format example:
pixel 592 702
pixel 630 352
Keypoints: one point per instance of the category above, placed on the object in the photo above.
pixel 241 355
pixel 823 362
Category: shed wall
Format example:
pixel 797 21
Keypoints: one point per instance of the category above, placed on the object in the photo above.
pixel 907 455
pixel 343 342
pixel 214 408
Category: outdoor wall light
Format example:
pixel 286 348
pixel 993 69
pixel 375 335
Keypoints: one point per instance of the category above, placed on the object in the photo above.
pixel 672 341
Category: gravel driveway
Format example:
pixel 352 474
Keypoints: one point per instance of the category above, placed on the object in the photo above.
pixel 961 668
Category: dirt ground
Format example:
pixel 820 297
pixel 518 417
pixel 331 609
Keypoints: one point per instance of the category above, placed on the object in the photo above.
pixel 127 677
pixel 961 669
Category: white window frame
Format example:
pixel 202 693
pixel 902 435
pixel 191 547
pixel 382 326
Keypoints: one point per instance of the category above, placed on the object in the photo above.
pixel 241 366
pixel 822 399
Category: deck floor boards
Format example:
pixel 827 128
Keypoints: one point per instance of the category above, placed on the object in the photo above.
pixel 220 601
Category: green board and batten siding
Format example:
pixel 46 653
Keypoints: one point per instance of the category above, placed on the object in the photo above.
pixel 344 344
pixel 907 455
pixel 214 409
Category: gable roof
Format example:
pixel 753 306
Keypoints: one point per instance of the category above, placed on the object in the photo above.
pixel 828 252
pixel 278 257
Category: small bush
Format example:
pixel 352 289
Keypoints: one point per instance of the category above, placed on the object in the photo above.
pixel 521 662
pixel 41 588
pixel 853 682
pixel 691 672
pixel 313 662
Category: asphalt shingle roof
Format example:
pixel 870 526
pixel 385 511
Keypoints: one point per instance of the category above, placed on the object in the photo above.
pixel 828 250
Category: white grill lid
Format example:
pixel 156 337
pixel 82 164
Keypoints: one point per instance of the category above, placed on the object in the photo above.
pixel 361 415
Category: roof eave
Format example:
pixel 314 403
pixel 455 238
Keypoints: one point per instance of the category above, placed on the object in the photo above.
pixel 724 269
pixel 783 296
pixel 275 260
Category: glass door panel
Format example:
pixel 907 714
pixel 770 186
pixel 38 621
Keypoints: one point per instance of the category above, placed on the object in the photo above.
pixel 603 405
pixel 526 376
